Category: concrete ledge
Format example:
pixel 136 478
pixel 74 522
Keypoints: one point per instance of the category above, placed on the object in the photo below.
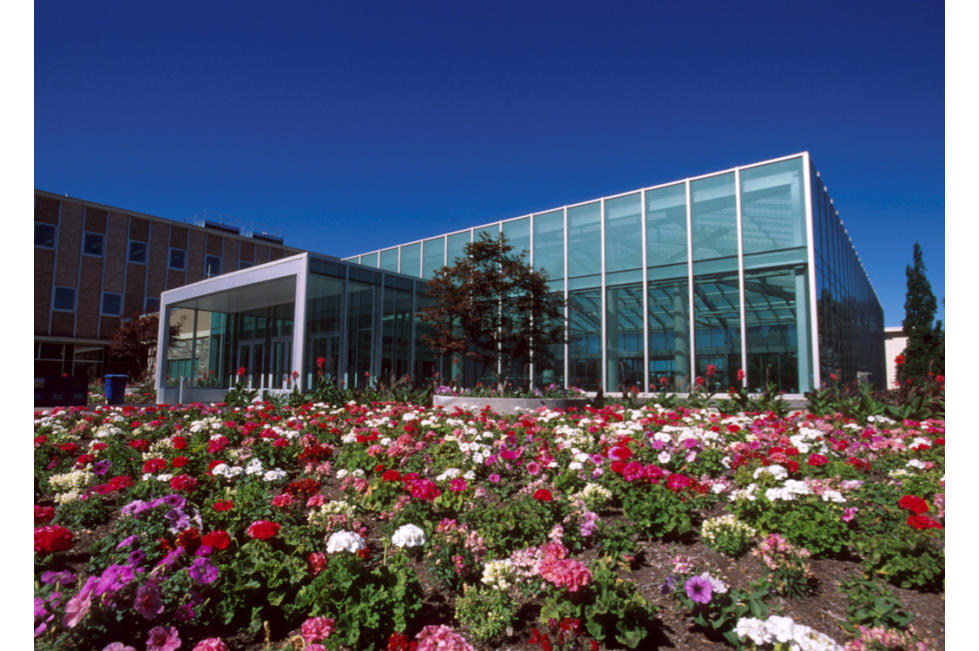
pixel 507 405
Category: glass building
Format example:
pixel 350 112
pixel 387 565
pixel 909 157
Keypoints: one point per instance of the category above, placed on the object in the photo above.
pixel 744 269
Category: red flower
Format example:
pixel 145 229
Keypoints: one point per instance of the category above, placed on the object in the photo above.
pixel 179 462
pixel 216 539
pixel 711 370
pixel 83 459
pixel 740 375
pixel 179 443
pixel 923 522
pixel 899 360
pixel 542 495
pixel 241 371
pixel 316 562
pixel 816 460
pixel 391 475
pixel 223 505
pixel 189 539
pixel 664 381
pixel 154 465
pixel 263 529
pixel 914 504
pixel 184 483
pixel 700 381
pixel 43 514
pixel 320 362
pixel 51 539
pixel 140 444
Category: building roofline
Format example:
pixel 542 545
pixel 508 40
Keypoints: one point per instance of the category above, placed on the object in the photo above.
pixel 135 213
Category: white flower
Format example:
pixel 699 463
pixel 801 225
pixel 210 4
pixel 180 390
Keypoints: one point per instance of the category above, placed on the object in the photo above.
pixel 498 574
pixel 917 463
pixel 664 457
pixel 775 470
pixel 344 541
pixel 275 474
pixel 408 535
pixel 834 496
pixel 342 472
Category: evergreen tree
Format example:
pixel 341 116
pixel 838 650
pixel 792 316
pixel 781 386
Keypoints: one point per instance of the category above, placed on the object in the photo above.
pixel 925 351
pixel 491 306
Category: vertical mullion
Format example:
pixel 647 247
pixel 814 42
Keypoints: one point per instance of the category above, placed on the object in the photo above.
pixel 645 299
pixel 692 334
pixel 741 308
pixel 567 309
pixel 811 255
pixel 601 233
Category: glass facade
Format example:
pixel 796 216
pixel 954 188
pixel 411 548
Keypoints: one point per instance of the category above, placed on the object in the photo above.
pixel 748 269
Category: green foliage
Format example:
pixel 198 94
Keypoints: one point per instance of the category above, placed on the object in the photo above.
pixel 904 557
pixel 240 396
pixel 657 512
pixel 925 351
pixel 86 513
pixel 515 524
pixel 491 306
pixel 871 604
pixel 728 535
pixel 805 521
pixel 720 615
pixel 611 607
pixel 486 612
pixel 368 604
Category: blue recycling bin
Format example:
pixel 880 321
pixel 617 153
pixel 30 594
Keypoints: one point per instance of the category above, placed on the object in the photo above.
pixel 115 389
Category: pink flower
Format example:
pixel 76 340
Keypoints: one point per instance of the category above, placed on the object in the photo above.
pixel 565 573
pixel 79 605
pixel 162 639
pixel 317 628
pixel 212 644
pixel 118 646
pixel 533 468
pixel 441 638
pixel 458 485
pixel 849 513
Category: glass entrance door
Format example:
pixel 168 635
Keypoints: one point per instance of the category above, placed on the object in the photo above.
pixel 325 346
pixel 281 361
pixel 251 356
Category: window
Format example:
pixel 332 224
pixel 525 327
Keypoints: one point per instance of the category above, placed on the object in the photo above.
pixel 137 252
pixel 64 299
pixel 244 264
pixel 93 243
pixel 151 305
pixel 212 266
pixel 177 260
pixel 44 235
pixel 111 304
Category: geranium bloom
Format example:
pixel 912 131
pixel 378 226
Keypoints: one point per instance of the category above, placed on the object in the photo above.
pixel 698 589
pixel 223 505
pixel 317 628
pixel 162 639
pixel 424 489
pixel 816 460
pixel 914 504
pixel 408 535
pixel 344 541
pixel 154 465
pixel 216 539
pixel 212 644
pixel 458 485
pixel 441 638
pixel 263 529
pixel 565 573
pixel 316 561
pixel 923 522
pixel 43 514
pixel 542 495
pixel 184 483
pixel 50 539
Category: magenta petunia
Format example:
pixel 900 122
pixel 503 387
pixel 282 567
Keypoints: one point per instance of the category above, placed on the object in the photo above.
pixel 698 589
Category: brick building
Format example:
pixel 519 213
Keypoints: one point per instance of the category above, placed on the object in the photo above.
pixel 95 265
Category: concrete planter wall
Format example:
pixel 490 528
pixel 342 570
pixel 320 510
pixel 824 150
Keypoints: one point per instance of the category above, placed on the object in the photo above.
pixel 507 405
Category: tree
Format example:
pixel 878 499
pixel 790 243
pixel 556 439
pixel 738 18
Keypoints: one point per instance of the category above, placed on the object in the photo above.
pixel 491 306
pixel 925 350
pixel 134 343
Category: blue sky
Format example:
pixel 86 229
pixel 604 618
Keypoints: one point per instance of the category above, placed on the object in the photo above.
pixel 347 127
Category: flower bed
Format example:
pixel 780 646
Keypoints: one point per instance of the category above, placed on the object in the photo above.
pixel 406 527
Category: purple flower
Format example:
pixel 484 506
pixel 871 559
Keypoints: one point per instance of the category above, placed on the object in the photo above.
pixel 65 577
pixel 101 467
pixel 178 519
pixel 184 613
pixel 115 577
pixel 698 589
pixel 203 571
pixel 118 646
pixel 127 541
pixel 162 639
pixel 175 500
pixel 148 602
pixel 137 557
pixel 170 559
pixel 135 508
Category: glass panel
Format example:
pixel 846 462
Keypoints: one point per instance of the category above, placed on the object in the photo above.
pixel 623 234
pixel 623 337
pixel 772 329
pixel 669 335
pixel 457 245
pixel 585 338
pixel 517 232
pixel 549 243
pixel 44 235
pixel 411 256
pixel 369 259
pixel 773 212
pixel 323 305
pixel 584 240
pixel 551 372
pixel 137 252
pixel 395 334
pixel 93 244
pixel 360 332
pixel 389 259
pixel 493 231
pixel 666 225
pixel 714 218
pixel 426 362
pixel 433 256
pixel 180 350
pixel 718 328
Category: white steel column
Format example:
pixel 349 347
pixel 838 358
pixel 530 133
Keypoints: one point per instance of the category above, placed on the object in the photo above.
pixel 691 334
pixel 299 321
pixel 567 309
pixel 743 329
pixel 604 341
pixel 645 299
pixel 811 252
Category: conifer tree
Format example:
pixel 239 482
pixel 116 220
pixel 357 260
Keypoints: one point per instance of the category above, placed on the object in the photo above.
pixel 925 351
